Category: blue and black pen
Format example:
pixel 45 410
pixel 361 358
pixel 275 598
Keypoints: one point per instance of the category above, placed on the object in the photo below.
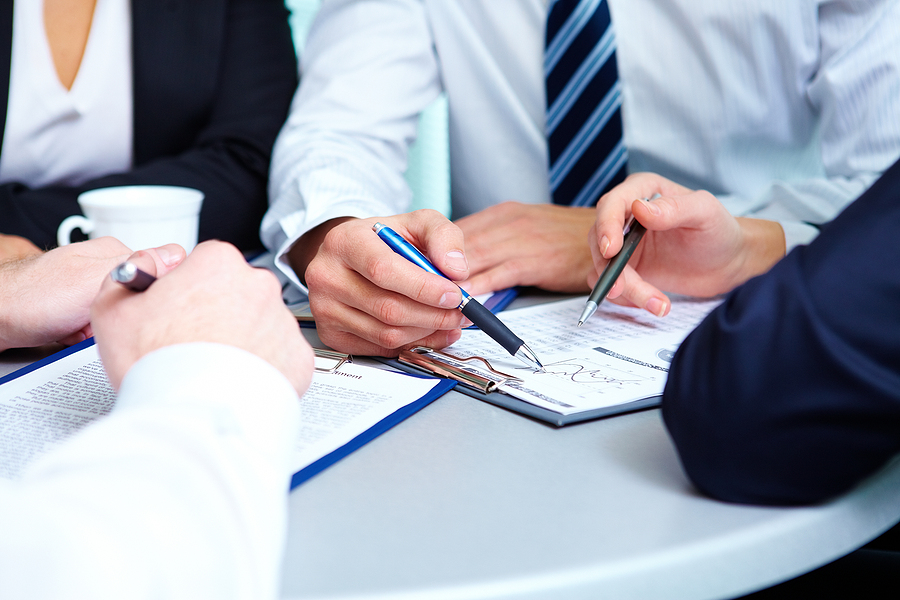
pixel 471 308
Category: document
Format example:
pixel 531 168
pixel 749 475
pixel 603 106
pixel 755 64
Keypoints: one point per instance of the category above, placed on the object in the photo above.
pixel 618 356
pixel 343 409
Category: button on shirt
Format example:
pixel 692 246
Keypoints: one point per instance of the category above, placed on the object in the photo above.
pixel 783 110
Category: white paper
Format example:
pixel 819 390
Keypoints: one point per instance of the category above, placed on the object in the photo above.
pixel 40 409
pixel 341 405
pixel 619 355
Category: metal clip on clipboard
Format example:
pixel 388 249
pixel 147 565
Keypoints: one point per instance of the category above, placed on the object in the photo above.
pixel 329 361
pixel 446 365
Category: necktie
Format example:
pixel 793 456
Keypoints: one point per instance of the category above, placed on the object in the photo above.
pixel 584 121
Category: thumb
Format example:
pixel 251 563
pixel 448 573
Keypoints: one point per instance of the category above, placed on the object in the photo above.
pixel 165 258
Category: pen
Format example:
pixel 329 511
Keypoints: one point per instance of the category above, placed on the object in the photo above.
pixel 131 277
pixel 634 231
pixel 471 308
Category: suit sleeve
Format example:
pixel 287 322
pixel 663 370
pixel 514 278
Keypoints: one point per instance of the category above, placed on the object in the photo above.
pixel 228 157
pixel 789 392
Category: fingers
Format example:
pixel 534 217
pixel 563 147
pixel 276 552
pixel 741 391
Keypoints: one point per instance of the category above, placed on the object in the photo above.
pixel 631 290
pixel 614 208
pixel 355 247
pixel 214 296
pixel 368 299
pixel 356 316
pixel 440 240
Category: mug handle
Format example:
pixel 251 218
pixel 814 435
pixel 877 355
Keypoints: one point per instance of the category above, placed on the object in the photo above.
pixel 64 233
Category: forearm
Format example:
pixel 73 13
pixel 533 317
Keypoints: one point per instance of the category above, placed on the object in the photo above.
pixel 343 153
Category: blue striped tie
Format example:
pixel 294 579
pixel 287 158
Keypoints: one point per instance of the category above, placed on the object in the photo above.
pixel 584 121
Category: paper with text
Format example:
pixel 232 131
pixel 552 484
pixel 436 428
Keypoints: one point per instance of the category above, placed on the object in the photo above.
pixel 42 408
pixel 619 355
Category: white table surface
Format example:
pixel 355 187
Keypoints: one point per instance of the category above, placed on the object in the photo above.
pixel 466 500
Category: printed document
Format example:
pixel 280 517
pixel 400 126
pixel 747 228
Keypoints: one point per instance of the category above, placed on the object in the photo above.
pixel 42 408
pixel 619 355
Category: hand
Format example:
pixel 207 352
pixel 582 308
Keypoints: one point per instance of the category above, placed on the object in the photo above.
pixel 15 247
pixel 369 300
pixel 47 297
pixel 693 245
pixel 528 244
pixel 213 296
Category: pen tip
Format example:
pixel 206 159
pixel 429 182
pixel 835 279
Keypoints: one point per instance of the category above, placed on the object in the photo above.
pixel 580 323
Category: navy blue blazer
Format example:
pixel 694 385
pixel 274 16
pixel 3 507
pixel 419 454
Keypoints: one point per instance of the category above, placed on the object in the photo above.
pixel 213 81
pixel 789 393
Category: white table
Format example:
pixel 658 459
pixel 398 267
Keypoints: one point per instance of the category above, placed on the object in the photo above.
pixel 465 500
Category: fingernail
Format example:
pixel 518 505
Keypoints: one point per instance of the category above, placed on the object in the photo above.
pixel 653 208
pixel 657 307
pixel 456 261
pixel 167 257
pixel 604 245
pixel 465 323
pixel 450 300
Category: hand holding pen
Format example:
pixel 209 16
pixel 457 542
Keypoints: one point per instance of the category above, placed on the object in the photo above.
pixel 471 308
pixel 693 246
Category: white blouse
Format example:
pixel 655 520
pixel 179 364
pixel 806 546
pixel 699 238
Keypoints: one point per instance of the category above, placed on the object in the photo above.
pixel 65 137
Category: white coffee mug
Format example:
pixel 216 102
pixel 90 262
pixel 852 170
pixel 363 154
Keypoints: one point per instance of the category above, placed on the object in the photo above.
pixel 139 216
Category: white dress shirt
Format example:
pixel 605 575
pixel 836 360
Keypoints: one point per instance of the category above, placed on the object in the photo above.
pixel 55 136
pixel 784 110
pixel 180 492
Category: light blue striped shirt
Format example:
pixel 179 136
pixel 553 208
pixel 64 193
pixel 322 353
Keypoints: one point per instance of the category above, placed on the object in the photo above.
pixel 786 110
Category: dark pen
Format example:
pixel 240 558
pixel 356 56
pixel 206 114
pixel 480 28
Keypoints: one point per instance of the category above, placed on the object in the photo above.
pixel 470 307
pixel 634 231
pixel 131 277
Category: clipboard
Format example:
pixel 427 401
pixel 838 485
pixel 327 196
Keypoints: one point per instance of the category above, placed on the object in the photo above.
pixel 479 379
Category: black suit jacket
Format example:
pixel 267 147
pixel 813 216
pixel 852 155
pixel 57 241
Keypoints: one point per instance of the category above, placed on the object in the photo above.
pixel 213 81
pixel 789 392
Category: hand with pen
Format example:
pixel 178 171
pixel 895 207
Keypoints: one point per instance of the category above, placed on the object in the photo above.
pixel 693 245
pixel 367 299
pixel 212 296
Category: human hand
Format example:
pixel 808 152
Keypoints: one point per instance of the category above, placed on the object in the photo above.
pixel 540 245
pixel 46 297
pixel 14 247
pixel 367 299
pixel 213 296
pixel 693 245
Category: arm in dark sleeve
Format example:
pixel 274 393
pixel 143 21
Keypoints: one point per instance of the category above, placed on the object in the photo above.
pixel 226 156
pixel 789 392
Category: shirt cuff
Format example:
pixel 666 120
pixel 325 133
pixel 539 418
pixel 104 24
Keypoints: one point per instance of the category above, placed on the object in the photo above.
pixel 243 393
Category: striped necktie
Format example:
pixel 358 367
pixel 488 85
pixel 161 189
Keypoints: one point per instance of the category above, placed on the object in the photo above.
pixel 584 121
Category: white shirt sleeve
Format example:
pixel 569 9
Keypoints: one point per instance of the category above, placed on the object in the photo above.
pixel 180 492
pixel 856 93
pixel 343 150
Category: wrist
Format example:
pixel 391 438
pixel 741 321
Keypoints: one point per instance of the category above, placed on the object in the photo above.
pixel 307 246
pixel 763 245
